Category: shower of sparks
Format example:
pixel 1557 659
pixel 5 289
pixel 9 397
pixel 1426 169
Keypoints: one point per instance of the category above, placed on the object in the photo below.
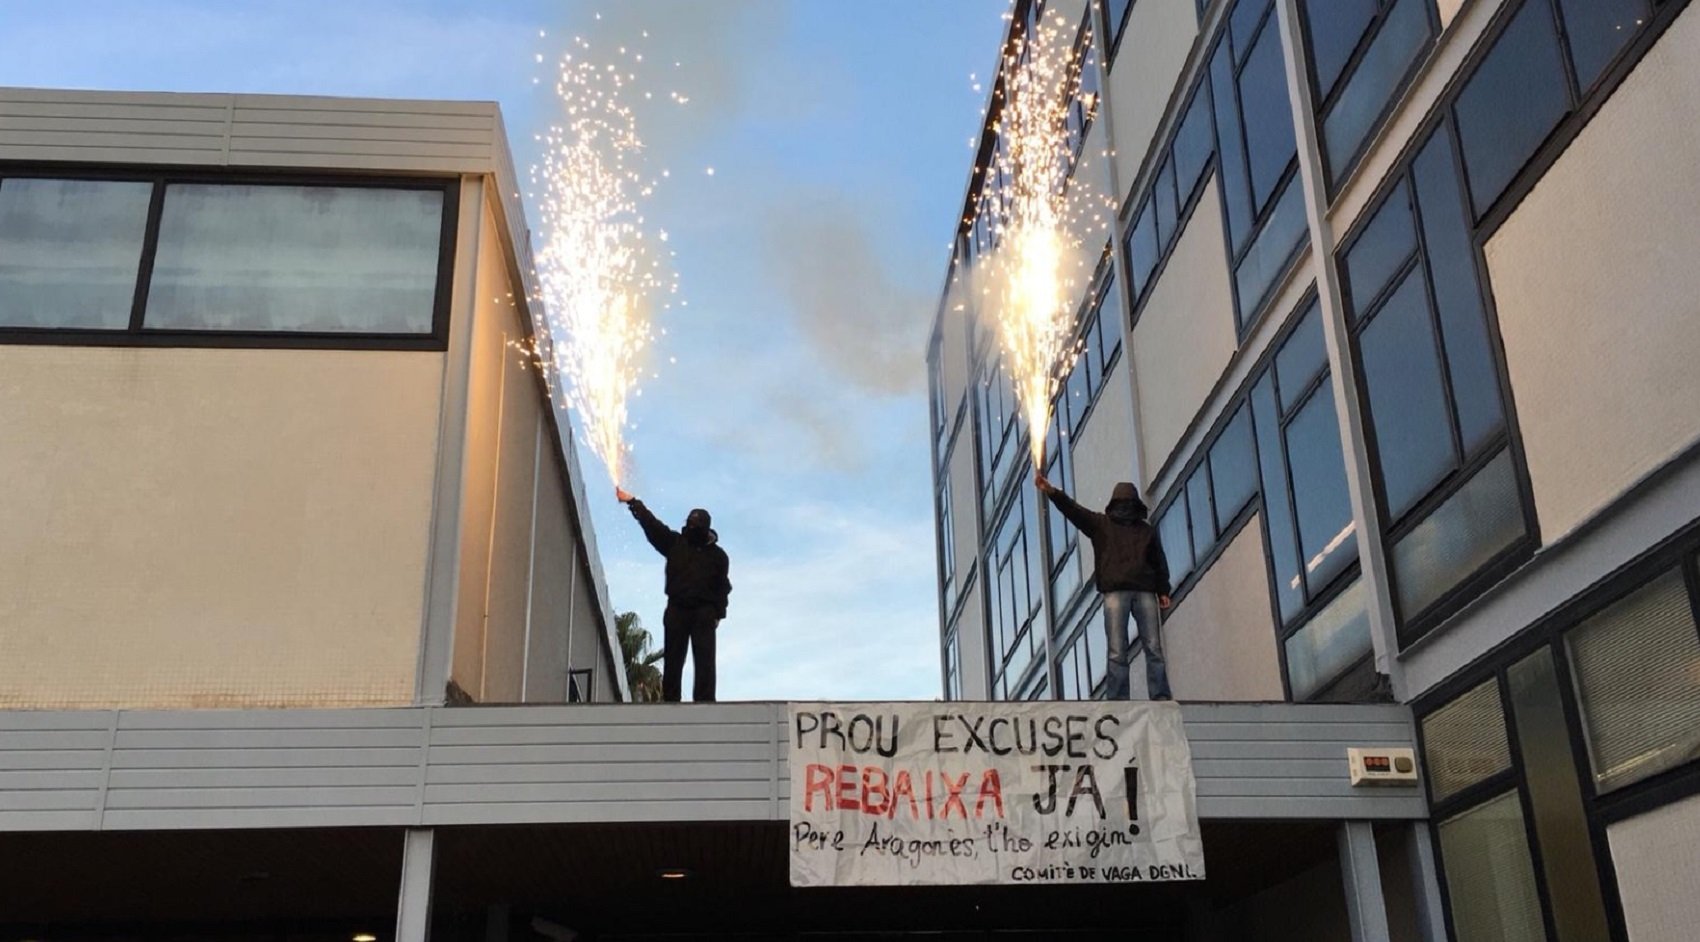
pixel 1034 272
pixel 601 275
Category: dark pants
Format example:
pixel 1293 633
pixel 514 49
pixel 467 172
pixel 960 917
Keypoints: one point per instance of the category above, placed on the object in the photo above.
pixel 688 627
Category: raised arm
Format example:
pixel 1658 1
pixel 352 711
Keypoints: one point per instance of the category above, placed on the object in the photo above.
pixel 1084 520
pixel 659 534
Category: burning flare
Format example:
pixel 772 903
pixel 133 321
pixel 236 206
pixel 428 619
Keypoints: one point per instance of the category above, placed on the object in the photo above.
pixel 1032 274
pixel 599 273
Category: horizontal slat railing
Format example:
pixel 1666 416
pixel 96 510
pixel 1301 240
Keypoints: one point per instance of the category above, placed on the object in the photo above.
pixel 178 769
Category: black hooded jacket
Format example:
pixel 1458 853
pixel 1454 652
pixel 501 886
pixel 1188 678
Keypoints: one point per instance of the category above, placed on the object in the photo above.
pixel 696 565
pixel 1126 550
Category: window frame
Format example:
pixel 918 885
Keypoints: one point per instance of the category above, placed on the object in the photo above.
pixel 1680 552
pixel 1411 627
pixel 137 334
pixel 1334 178
pixel 1114 32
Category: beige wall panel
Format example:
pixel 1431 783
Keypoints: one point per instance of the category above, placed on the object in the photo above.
pixel 1601 321
pixel 1185 335
pixel 213 528
pixel 586 636
pixel 1448 11
pixel 1103 451
pixel 1220 640
pixel 510 543
pixel 1654 854
pixel 551 587
pixel 1154 48
pixel 478 484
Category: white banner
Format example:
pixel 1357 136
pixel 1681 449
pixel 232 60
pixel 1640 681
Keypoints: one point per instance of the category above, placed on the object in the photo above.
pixel 890 794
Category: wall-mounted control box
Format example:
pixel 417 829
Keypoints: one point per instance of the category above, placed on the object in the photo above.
pixel 1382 766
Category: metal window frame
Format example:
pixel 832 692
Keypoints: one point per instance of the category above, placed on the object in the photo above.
pixel 137 334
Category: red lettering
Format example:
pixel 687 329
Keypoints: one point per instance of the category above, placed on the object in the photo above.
pixel 904 788
pixel 990 787
pixel 847 788
pixel 954 797
pixel 929 794
pixel 876 797
pixel 817 778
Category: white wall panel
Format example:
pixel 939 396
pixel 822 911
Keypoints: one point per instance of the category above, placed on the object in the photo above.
pixel 1599 296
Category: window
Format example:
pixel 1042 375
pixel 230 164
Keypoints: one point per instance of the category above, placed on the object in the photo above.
pixel 1115 21
pixel 1233 468
pixel 1584 719
pixel 946 517
pixel 1308 513
pixel 1065 565
pixel 1168 206
pixel 1000 443
pixel 225 256
pixel 1531 79
pixel 70 251
pixel 1083 88
pixel 952 666
pixel 1445 476
pixel 1361 52
pixel 1259 150
pixel 1013 595
pixel 1637 675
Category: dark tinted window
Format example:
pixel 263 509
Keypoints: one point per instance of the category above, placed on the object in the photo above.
pixel 1289 586
pixel 1512 102
pixel 1115 15
pixel 1236 193
pixel 1194 142
pixel 1334 27
pixel 1177 545
pixel 1142 249
pixel 1198 500
pixel 1301 357
pixel 1110 322
pixel 1243 24
pixel 1276 245
pixel 1384 246
pixel 1457 292
pixel 1598 30
pixel 1233 467
pixel 1163 194
pixel 1269 141
pixel 1319 490
pixel 1407 398
pixel 1364 97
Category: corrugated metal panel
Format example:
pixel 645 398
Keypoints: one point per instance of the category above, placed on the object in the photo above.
pixel 269 131
pixel 260 768
pixel 52 769
pixel 568 764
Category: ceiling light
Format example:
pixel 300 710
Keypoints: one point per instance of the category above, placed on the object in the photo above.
pixel 673 873
pixel 364 937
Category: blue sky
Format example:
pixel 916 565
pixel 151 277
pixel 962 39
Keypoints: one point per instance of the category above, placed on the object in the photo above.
pixel 811 260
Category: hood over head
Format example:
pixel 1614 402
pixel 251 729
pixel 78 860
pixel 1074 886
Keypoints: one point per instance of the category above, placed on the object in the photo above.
pixel 1125 505
pixel 697 529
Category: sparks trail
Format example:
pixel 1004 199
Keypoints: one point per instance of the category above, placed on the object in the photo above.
pixel 601 274
pixel 1032 274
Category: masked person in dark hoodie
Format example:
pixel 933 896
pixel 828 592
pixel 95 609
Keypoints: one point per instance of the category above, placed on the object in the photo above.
pixel 697 588
pixel 1131 573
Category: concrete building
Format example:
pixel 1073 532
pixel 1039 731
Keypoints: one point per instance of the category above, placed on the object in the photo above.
pixel 295 585
pixel 271 436
pixel 1395 330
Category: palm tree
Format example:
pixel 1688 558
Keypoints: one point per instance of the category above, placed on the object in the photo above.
pixel 642 676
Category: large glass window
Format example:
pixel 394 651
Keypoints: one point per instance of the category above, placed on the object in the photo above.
pixel 356 260
pixel 1361 52
pixel 1254 123
pixel 296 258
pixel 1445 476
pixel 1524 86
pixel 1168 205
pixel 1014 597
pixel 1115 20
pixel 1233 468
pixel 1490 875
pixel 1637 677
pixel 70 251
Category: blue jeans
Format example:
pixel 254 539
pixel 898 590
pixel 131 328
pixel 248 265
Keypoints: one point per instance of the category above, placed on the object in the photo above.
pixel 1143 607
